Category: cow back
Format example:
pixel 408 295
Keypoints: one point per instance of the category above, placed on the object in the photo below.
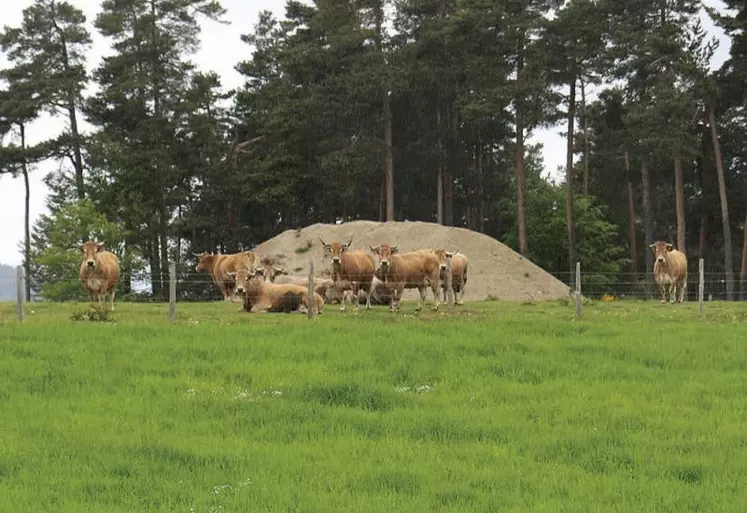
pixel 414 267
pixel 677 265
pixel 357 266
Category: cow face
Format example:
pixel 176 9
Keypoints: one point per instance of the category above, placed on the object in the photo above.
pixel 384 251
pixel 202 261
pixel 660 250
pixel 336 250
pixel 89 250
pixel 271 272
pixel 242 277
pixel 442 255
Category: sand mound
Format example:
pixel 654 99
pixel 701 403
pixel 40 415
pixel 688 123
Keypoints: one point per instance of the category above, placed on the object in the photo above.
pixel 495 270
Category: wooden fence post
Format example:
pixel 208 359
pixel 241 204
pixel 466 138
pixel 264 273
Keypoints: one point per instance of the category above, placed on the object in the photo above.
pixel 311 304
pixel 172 291
pixel 701 284
pixel 449 286
pixel 19 292
pixel 578 291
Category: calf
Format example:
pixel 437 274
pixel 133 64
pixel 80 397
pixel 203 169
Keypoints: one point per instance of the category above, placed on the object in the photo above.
pixel 670 271
pixel 416 269
pixel 99 272
pixel 459 266
pixel 351 270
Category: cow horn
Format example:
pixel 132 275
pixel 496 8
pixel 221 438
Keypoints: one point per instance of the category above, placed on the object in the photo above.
pixel 349 242
pixel 323 243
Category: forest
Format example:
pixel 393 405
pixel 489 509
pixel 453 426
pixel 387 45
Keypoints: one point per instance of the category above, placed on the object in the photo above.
pixel 384 110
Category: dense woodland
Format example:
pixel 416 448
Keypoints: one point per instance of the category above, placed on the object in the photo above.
pixel 385 110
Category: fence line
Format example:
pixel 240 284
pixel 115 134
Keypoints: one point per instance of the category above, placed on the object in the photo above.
pixel 193 286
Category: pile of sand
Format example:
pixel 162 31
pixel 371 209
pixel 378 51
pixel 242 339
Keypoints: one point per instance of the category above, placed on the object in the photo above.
pixel 495 270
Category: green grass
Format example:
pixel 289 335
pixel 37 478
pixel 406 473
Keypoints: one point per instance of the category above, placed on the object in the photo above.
pixel 638 408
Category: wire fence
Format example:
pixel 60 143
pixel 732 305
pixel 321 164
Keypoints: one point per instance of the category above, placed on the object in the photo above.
pixel 186 285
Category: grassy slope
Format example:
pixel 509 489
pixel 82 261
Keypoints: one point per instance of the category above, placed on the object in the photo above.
pixel 639 408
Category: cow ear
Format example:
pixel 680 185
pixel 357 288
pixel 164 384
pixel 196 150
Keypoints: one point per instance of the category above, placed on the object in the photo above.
pixel 100 246
pixel 670 247
pixel 448 255
pixel 83 248
pixel 280 270
pixel 374 249
pixel 393 250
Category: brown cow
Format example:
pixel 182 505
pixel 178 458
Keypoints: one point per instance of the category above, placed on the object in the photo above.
pixel 351 270
pixel 400 271
pixel 220 268
pixel 262 296
pixel 670 271
pixel 459 266
pixel 325 287
pixel 99 272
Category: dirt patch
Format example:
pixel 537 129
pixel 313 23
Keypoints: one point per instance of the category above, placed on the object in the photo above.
pixel 495 270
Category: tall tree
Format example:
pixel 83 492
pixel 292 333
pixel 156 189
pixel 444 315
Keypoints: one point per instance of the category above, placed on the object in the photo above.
pixel 142 86
pixel 51 44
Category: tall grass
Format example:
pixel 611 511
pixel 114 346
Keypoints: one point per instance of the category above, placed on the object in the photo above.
pixel 496 407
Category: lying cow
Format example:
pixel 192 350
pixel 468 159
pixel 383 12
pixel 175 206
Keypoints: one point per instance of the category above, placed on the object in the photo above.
pixel 99 272
pixel 670 271
pixel 262 296
pixel 380 294
pixel 351 270
pixel 459 266
pixel 413 270
pixel 222 268
pixel 322 286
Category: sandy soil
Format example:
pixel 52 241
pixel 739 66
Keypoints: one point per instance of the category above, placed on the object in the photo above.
pixel 495 270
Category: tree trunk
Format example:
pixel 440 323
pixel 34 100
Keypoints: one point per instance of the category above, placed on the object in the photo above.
pixel 480 200
pixel 728 266
pixel 631 220
pixel 449 176
pixel 584 123
pixel 648 225
pixel 439 171
pixel 27 218
pixel 679 193
pixel 743 270
pixel 389 164
pixel 382 198
pixel 569 182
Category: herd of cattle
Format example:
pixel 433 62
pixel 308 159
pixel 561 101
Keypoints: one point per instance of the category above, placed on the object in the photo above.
pixel 267 288
pixel 264 287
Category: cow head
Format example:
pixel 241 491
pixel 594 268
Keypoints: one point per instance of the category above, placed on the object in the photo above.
pixel 442 255
pixel 660 250
pixel 336 249
pixel 242 277
pixel 89 250
pixel 384 251
pixel 203 261
pixel 271 272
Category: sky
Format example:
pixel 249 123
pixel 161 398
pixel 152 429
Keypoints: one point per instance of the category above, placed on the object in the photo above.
pixel 221 50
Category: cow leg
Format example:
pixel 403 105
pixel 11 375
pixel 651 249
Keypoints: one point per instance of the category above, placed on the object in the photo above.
pixel 663 292
pixel 436 295
pixel 461 292
pixel 683 288
pixel 114 291
pixel 423 293
pixel 342 300
pixel 368 295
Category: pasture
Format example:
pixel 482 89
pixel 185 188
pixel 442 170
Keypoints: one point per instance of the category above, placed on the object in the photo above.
pixel 510 407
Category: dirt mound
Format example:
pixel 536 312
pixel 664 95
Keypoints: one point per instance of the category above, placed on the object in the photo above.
pixel 495 270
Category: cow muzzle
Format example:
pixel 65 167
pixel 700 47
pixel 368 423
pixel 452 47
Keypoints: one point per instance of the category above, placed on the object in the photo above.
pixel 660 260
pixel 336 260
pixel 90 263
pixel 442 267
pixel 239 290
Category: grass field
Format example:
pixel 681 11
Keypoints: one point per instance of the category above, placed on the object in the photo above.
pixel 638 408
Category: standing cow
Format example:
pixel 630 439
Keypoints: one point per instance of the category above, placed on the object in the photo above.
pixel 221 268
pixel 351 270
pixel 99 272
pixel 416 269
pixel 670 271
pixel 459 265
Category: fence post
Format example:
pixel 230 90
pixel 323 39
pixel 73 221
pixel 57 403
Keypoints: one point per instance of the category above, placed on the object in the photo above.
pixel 449 286
pixel 578 291
pixel 311 304
pixel 172 291
pixel 19 292
pixel 701 283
